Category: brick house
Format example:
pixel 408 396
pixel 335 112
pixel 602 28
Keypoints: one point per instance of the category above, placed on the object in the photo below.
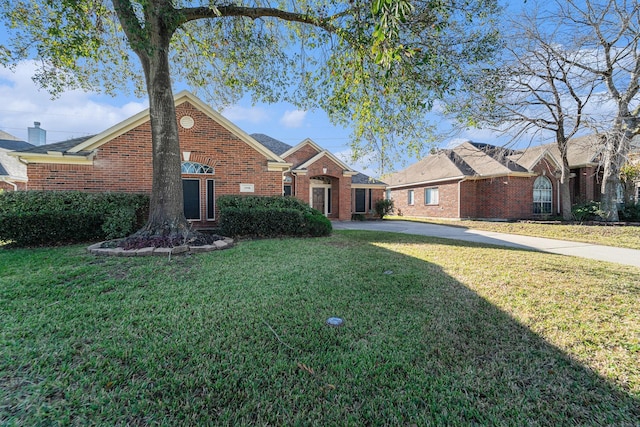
pixel 13 173
pixel 483 181
pixel 218 158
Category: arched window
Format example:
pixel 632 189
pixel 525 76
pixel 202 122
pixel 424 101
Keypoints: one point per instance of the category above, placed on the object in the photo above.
pixel 196 168
pixel 542 196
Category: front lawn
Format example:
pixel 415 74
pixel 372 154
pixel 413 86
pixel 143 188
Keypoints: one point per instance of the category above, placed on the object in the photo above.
pixel 436 332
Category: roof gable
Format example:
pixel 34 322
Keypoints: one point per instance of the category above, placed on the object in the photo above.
pixel 330 156
pixel 180 98
pixel 304 143
pixel 84 147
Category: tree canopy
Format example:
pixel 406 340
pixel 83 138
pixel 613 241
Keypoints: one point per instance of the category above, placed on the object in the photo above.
pixel 375 67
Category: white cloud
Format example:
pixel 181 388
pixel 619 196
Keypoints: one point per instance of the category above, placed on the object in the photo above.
pixel 293 119
pixel 73 114
pixel 253 115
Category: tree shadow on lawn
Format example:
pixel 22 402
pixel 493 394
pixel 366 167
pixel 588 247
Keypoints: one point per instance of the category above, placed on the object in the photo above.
pixel 473 362
pixel 238 337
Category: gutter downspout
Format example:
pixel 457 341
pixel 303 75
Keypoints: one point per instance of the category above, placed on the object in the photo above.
pixel 459 198
pixel 558 196
pixel 15 186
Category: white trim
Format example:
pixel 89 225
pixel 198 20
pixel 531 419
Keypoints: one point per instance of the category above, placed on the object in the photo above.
pixel 306 141
pixel 415 184
pixel 334 159
pixel 57 158
pixel 463 177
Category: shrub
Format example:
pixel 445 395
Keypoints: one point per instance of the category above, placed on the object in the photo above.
pixel 384 207
pixel 587 211
pixel 630 212
pixel 270 216
pixel 54 217
pixel 317 225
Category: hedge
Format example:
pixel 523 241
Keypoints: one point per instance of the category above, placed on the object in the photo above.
pixel 270 216
pixel 54 217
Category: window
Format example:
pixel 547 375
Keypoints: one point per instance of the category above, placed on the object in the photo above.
pixel 196 168
pixel 387 194
pixel 370 199
pixel 360 200
pixel 542 196
pixel 191 190
pixel 410 198
pixel 211 206
pixel 431 196
pixel 287 190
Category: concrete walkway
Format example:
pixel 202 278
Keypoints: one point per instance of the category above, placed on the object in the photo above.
pixel 562 247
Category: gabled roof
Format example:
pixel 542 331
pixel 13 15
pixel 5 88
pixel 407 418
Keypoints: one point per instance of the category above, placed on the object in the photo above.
pixel 10 167
pixel 304 142
pixel 324 153
pixel 363 180
pixel 272 144
pixel 474 160
pixel 83 148
pixel 14 144
pixel 282 149
pixel 63 147
pixel 467 160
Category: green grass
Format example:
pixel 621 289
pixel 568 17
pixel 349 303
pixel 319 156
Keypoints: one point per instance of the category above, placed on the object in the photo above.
pixel 436 332
pixel 618 236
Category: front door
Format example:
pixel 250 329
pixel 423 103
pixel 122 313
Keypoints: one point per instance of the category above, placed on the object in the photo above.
pixel 318 199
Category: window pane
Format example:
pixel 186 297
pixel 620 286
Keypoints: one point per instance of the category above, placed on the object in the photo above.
pixel 410 197
pixel 360 202
pixel 196 168
pixel 211 197
pixel 431 196
pixel 542 195
pixel 191 190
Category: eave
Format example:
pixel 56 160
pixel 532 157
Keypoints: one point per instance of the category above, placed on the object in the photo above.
pixel 54 157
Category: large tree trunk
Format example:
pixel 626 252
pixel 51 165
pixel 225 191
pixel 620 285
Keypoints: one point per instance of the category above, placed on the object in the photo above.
pixel 166 210
pixel 565 191
pixel 616 150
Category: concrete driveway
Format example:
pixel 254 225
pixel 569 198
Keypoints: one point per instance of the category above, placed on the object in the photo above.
pixel 562 247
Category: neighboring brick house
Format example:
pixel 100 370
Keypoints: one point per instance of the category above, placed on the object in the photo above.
pixel 13 173
pixel 218 159
pixel 324 181
pixel 483 181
